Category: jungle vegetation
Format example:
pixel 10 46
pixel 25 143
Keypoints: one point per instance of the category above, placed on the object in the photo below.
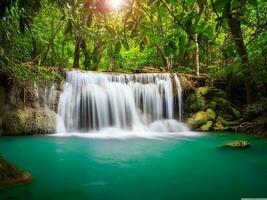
pixel 222 39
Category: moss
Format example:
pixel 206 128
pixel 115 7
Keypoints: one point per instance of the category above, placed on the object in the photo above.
pixel 214 92
pixel 202 91
pixel 197 120
pixel 211 114
pixel 212 105
pixel 218 126
pixel 240 144
pixel 29 121
pixel 202 120
pixel 1 126
pixel 207 126
pixel 219 110
pixel 195 103
pixel 25 73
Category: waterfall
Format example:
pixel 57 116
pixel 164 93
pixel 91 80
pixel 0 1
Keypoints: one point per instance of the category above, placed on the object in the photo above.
pixel 93 101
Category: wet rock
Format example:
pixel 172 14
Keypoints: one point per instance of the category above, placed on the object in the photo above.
pixel 240 144
pixel 258 126
pixel 202 121
pixel 150 70
pixel 195 103
pixel 207 126
pixel 28 121
pixel 10 174
pixel 220 114
pixel 202 91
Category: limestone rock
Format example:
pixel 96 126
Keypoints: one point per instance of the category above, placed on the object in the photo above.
pixel 10 174
pixel 195 102
pixel 213 112
pixel 202 91
pixel 202 120
pixel 240 144
pixel 207 126
pixel 28 121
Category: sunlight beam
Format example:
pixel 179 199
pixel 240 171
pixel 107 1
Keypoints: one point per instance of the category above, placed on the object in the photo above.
pixel 115 4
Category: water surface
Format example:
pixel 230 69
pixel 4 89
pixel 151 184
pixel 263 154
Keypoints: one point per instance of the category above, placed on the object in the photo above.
pixel 137 168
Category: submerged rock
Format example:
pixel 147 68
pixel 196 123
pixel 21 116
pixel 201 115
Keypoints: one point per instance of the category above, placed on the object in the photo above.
pixel 28 121
pixel 10 174
pixel 239 144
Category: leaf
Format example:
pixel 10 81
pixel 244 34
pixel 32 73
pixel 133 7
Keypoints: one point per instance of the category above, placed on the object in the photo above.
pixel 68 27
pixel 172 45
pixel 167 50
pixel 150 2
pixel 252 2
pixel 125 45
pixel 220 4
pixel 118 47
pixel 142 46
pixel 111 30
pixel 146 40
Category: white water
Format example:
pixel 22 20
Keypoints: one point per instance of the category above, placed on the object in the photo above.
pixel 107 105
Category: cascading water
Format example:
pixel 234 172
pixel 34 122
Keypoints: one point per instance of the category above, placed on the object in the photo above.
pixel 93 102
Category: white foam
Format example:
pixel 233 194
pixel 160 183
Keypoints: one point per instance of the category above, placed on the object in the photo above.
pixel 97 105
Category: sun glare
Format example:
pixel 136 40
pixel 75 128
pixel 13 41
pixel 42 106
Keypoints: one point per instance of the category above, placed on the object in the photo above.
pixel 115 4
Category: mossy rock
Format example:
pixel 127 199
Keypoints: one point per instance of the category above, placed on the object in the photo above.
pixel 202 120
pixel 1 128
pixel 28 121
pixel 195 102
pixel 207 126
pixel 210 114
pixel 239 144
pixel 202 91
pixel 197 120
pixel 218 126
pixel 212 105
pixel 214 92
pixel 10 174
pixel 226 109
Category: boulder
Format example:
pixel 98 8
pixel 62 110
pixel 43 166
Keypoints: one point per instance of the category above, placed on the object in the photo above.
pixel 1 128
pixel 202 120
pixel 212 110
pixel 202 91
pixel 195 103
pixel 239 144
pixel 10 174
pixel 226 107
pixel 197 120
pixel 211 114
pixel 207 126
pixel 28 121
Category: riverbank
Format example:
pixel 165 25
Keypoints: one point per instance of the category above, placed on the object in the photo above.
pixel 10 174
pixel 27 107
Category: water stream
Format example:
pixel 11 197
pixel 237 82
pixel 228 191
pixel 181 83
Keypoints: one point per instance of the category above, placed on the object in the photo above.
pixel 113 104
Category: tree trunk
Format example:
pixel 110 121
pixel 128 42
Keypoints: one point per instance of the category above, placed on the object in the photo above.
pixel 76 61
pixel 87 59
pixel 34 50
pixel 197 53
pixel 52 42
pixel 235 28
pixel 161 54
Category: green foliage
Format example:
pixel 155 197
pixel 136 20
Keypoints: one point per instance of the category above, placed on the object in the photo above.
pixel 25 73
pixel 139 33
